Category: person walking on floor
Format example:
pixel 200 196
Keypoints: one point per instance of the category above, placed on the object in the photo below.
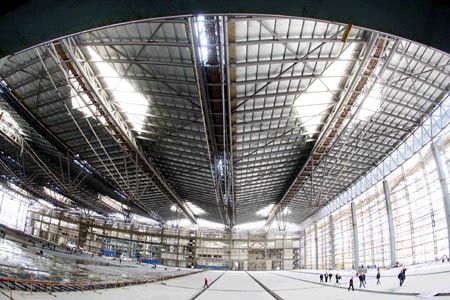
pixel 402 276
pixel 329 277
pixel 326 276
pixel 378 276
pixel 337 278
pixel 350 284
pixel 361 280
pixel 206 283
pixel 321 277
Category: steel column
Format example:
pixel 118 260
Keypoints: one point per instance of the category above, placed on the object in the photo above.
pixel 387 196
pixel 444 187
pixel 332 249
pixel 304 247
pixel 355 236
pixel 316 242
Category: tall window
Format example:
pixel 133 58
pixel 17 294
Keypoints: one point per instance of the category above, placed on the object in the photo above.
pixel 323 234
pixel 310 248
pixel 418 210
pixel 343 237
pixel 373 230
pixel 439 210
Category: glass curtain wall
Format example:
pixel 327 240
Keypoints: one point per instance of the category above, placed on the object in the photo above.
pixel 372 225
pixel 418 211
pixel 323 234
pixel 301 251
pixel 310 248
pixel 440 222
pixel 343 237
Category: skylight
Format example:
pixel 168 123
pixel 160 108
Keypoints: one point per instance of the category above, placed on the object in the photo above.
pixel 145 220
pixel 184 222
pixel 114 204
pixel 196 210
pixel 57 196
pixel 261 225
pixel 251 225
pixel 81 101
pixel 17 188
pixel 370 104
pixel 318 98
pixel 8 124
pixel 201 33
pixel 264 212
pixel 208 224
pixel 132 104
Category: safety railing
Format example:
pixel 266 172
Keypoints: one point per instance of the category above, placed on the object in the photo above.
pixel 10 285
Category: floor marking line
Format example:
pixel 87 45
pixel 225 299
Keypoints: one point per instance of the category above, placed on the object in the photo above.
pixel 272 293
pixel 204 289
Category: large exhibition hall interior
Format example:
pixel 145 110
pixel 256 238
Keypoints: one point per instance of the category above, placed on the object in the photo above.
pixel 224 149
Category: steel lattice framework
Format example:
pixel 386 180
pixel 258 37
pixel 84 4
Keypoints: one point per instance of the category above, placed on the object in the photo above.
pixel 229 118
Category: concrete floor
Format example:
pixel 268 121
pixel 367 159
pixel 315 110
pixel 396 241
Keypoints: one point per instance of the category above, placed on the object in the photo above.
pixel 424 280
pixel 235 285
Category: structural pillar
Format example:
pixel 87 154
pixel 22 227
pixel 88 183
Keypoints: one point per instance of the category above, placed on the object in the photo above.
pixel 355 236
pixel 332 251
pixel 444 188
pixel 316 241
pixel 387 197
pixel 304 248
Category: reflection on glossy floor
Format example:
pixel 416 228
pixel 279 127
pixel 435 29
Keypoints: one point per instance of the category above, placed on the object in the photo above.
pixel 20 260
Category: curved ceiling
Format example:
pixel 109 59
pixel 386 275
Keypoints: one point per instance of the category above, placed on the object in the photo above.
pixel 229 118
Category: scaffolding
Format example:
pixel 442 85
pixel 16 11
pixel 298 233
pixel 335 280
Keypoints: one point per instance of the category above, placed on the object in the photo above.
pixel 178 247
